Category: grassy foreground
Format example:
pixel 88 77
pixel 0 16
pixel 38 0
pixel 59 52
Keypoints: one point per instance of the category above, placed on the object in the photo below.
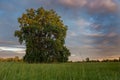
pixel 62 71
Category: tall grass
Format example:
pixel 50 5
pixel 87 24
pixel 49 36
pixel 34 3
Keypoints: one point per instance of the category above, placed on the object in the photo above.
pixel 62 71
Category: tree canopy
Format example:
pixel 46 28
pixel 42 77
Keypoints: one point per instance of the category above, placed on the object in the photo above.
pixel 43 33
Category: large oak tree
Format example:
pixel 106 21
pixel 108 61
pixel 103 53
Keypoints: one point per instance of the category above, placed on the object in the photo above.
pixel 43 33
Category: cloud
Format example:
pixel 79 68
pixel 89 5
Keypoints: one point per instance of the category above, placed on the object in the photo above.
pixel 103 5
pixel 93 35
pixel 7 54
pixel 82 23
pixel 93 25
pixel 112 34
pixel 11 49
pixel 73 3
pixel 8 42
pixel 91 5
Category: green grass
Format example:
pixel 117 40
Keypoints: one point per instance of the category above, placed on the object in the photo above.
pixel 62 71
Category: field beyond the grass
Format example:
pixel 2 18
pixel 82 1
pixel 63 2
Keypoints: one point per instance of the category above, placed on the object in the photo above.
pixel 60 71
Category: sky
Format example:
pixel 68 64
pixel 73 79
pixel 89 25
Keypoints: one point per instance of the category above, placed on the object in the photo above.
pixel 93 26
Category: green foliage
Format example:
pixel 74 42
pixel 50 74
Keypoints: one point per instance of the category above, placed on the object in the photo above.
pixel 44 34
pixel 66 71
pixel 87 59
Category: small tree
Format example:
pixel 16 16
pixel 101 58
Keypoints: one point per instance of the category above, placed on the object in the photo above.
pixel 44 34
pixel 87 59
pixel 16 59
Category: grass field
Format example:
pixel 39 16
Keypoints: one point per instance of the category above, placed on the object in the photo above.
pixel 61 71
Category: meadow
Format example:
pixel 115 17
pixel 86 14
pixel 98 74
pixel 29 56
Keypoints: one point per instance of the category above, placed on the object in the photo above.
pixel 60 71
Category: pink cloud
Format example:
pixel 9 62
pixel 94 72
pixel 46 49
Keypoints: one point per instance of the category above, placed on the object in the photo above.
pixel 92 5
pixel 73 3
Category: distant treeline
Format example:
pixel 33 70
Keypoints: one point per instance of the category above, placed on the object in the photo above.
pixel 114 60
pixel 104 60
pixel 17 59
